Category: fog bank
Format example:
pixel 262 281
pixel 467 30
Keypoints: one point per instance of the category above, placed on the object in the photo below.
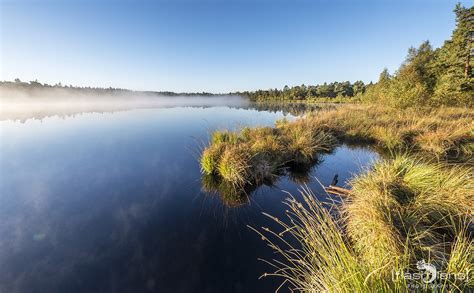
pixel 23 105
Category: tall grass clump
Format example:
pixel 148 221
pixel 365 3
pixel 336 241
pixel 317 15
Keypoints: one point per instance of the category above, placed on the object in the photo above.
pixel 234 165
pixel 225 136
pixel 315 254
pixel 209 159
pixel 461 260
pixel 401 211
pixel 404 202
pixel 260 154
pixel 254 155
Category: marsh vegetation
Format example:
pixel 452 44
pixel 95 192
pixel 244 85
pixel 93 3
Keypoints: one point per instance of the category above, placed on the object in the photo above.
pixel 399 212
pixel 413 206
pixel 255 155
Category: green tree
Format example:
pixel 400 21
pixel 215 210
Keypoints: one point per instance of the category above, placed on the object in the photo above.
pixel 358 87
pixel 455 83
pixel 414 81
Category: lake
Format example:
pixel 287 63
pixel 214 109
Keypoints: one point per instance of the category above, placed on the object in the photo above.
pixel 113 202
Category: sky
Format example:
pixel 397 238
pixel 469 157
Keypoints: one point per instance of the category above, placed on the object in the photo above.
pixel 213 45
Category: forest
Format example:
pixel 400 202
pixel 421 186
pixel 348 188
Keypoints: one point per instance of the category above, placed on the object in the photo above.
pixel 35 85
pixel 427 77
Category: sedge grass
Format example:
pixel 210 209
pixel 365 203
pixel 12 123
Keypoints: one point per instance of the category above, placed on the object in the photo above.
pixel 401 211
pixel 252 156
pixel 444 133
pixel 322 260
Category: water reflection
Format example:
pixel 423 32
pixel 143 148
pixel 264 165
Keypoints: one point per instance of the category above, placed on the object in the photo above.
pixel 293 108
pixel 298 173
pixel 114 202
pixel 22 110
pixel 70 105
pixel 233 196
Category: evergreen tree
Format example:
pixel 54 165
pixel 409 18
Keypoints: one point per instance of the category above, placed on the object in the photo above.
pixel 455 84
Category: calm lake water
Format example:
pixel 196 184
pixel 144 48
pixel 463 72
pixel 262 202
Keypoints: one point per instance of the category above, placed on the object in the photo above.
pixel 113 202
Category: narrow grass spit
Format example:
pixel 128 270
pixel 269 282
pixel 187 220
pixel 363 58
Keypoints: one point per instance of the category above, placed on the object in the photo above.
pixel 253 154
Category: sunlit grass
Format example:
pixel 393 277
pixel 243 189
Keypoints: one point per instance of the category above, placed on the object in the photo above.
pixel 234 165
pixel 209 159
pixel 400 202
pixel 254 154
pixel 314 254
pixel 400 211
pixel 441 132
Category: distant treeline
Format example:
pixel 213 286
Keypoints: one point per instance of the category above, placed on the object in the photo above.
pixel 428 77
pixel 344 89
pixel 30 86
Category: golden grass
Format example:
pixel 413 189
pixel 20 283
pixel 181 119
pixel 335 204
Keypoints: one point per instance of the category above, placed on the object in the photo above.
pixel 254 154
pixel 404 201
pixel 400 211
pixel 234 165
pixel 314 254
pixel 442 132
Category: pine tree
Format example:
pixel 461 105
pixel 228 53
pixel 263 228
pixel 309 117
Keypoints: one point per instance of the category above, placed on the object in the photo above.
pixel 453 87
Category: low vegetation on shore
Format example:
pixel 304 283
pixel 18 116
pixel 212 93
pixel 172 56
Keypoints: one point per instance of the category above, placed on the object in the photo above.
pixel 400 212
pixel 251 156
pixel 446 133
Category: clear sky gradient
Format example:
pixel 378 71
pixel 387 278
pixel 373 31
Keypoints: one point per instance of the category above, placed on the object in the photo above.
pixel 216 46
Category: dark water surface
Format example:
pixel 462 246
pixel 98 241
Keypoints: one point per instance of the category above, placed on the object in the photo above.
pixel 113 203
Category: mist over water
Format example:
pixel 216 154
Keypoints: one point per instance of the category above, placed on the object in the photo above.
pixel 115 202
pixel 19 105
pixel 113 197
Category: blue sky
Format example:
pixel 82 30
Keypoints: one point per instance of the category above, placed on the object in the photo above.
pixel 216 46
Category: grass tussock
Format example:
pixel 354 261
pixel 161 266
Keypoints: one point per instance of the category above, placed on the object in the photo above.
pixel 399 212
pixel 404 202
pixel 234 165
pixel 253 155
pixel 315 254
